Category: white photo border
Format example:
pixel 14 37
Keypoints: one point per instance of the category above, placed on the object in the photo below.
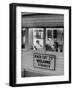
pixel 26 80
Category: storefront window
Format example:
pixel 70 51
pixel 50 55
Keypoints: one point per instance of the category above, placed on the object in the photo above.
pixel 38 41
pixel 54 39
pixel 49 39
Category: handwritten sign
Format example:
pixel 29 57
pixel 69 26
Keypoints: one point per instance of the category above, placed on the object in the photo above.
pixel 45 61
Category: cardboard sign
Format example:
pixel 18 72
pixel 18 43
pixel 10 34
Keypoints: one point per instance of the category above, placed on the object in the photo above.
pixel 45 61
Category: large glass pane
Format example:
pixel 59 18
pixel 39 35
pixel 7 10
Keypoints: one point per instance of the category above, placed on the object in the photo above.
pixel 38 41
pixel 54 39
pixel 49 40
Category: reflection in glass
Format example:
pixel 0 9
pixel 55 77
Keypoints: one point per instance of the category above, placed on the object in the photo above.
pixel 54 39
pixel 38 38
pixel 49 39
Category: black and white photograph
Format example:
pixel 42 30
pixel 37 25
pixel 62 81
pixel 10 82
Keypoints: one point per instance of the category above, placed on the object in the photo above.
pixel 42 48
pixel 40 40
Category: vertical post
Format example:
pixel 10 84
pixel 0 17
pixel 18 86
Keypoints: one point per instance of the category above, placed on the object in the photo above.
pixel 44 38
